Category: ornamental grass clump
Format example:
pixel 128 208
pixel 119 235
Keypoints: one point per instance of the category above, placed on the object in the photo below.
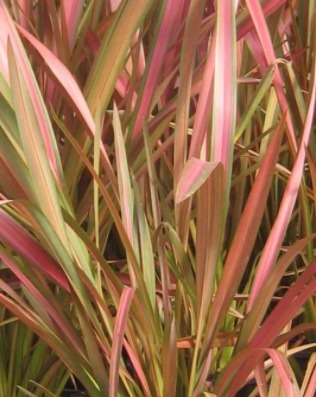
pixel 158 194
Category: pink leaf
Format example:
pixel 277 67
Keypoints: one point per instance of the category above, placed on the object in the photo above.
pixel 194 174
pixel 170 22
pixel 72 10
pixel 204 105
pixel 284 372
pixel 264 38
pixel 224 104
pixel 118 338
pixel 16 237
pixel 269 7
pixel 286 309
pixel 278 230
pixel 64 77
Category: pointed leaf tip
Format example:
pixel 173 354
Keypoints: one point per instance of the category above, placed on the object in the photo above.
pixel 194 174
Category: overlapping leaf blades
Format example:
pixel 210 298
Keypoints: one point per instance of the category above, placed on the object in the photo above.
pixel 158 190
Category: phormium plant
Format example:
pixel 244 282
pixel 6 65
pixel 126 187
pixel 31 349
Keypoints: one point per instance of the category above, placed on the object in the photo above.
pixel 158 195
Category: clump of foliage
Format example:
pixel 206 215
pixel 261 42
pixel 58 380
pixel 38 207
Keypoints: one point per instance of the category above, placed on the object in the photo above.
pixel 158 191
